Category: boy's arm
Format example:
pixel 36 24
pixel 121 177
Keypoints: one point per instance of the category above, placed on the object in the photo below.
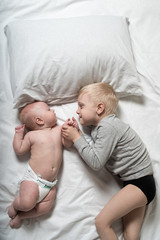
pixel 21 143
pixel 73 123
pixel 67 142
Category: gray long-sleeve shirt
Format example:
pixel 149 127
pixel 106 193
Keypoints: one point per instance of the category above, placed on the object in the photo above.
pixel 117 147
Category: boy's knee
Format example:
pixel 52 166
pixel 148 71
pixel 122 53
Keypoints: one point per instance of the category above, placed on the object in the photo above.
pixel 99 223
pixel 103 226
pixel 130 235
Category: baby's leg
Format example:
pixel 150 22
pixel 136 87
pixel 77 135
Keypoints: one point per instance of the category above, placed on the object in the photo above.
pixel 41 208
pixel 26 200
pixel 124 202
pixel 12 212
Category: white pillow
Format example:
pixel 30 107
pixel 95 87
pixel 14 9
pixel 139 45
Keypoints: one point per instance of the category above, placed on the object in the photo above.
pixel 50 60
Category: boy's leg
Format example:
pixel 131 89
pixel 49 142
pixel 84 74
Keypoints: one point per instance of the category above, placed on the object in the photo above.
pixel 124 202
pixel 132 223
pixel 27 199
pixel 41 208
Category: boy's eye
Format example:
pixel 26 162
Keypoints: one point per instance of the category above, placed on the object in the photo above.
pixel 81 105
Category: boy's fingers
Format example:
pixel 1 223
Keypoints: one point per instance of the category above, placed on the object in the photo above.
pixel 73 119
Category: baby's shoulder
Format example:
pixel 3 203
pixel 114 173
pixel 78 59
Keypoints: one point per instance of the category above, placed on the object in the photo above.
pixel 56 130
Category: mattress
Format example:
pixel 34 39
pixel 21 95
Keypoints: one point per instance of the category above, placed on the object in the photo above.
pixel 48 50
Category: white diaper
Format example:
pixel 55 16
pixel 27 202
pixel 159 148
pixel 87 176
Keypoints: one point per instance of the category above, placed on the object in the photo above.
pixel 44 186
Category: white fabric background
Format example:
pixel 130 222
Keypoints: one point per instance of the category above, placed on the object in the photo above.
pixel 82 193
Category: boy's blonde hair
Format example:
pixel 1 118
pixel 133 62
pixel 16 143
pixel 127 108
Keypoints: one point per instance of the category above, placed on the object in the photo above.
pixel 101 92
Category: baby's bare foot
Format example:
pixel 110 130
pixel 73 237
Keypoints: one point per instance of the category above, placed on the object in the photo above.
pixel 12 212
pixel 16 222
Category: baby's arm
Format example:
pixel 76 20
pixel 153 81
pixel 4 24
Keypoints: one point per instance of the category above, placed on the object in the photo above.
pixel 71 131
pixel 21 143
pixel 67 142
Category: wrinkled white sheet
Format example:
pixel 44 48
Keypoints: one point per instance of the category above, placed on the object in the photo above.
pixel 80 192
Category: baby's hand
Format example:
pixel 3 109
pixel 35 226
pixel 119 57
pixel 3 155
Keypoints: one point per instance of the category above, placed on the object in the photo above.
pixel 72 123
pixel 69 122
pixel 70 133
pixel 20 129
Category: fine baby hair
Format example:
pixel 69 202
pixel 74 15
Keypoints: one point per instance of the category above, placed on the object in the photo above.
pixel 101 92
pixel 28 114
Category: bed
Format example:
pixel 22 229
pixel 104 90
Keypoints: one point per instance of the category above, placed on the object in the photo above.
pixel 48 50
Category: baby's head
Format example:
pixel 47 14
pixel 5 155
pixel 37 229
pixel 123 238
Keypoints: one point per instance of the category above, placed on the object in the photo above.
pixel 101 92
pixel 37 115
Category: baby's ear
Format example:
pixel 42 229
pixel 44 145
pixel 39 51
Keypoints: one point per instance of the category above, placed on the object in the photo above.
pixel 100 108
pixel 39 121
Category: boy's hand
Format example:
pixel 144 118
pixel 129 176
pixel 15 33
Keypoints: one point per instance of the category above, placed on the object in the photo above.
pixel 69 122
pixel 70 132
pixel 72 123
pixel 75 123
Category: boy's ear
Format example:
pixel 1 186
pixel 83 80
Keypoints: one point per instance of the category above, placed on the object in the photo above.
pixel 39 121
pixel 100 108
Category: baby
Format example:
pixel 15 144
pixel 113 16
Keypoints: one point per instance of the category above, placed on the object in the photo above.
pixel 37 188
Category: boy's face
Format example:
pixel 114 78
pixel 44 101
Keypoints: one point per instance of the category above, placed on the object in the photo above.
pixel 87 110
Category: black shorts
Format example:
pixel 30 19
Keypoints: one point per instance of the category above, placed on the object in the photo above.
pixel 146 184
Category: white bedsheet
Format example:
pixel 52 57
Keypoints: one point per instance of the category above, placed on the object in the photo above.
pixel 80 192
